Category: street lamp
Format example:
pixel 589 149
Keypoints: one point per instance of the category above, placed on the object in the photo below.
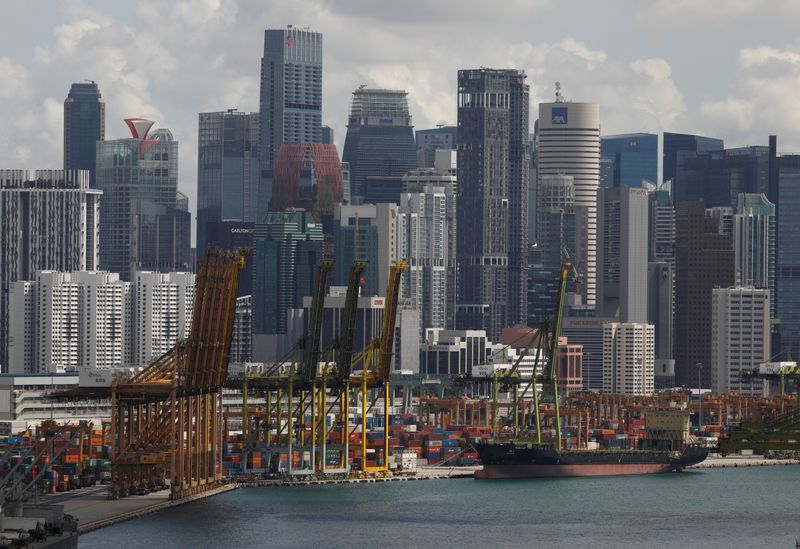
pixel 699 396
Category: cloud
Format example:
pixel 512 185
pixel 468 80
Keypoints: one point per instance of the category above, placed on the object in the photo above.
pixel 682 13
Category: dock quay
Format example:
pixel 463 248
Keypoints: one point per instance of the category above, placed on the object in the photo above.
pixel 714 462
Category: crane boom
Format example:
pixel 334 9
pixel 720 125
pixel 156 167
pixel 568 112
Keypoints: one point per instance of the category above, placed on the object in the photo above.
pixel 345 355
pixel 312 342
pixel 386 342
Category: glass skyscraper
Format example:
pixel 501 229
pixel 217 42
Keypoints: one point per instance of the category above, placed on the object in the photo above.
pixel 142 225
pixel 291 93
pixel 632 158
pixel 380 138
pixel 788 246
pixel 675 142
pixel 229 186
pixel 84 126
pixel 718 177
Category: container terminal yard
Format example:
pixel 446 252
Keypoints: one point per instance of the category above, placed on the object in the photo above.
pixel 183 428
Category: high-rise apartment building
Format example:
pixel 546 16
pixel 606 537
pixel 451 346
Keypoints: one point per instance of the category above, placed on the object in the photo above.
pixel 704 260
pixel 740 338
pixel 68 321
pixel 142 224
pixel 49 219
pixel 676 143
pixel 380 138
pixel 628 358
pixel 442 178
pixel 632 160
pixel 569 144
pixel 622 222
pixel 229 183
pixel 492 199
pixel 288 246
pixel 291 94
pixel 366 233
pixel 84 126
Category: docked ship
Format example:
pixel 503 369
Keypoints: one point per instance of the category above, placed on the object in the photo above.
pixel 512 460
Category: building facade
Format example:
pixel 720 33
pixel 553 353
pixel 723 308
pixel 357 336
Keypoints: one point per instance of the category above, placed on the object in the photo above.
pixel 433 139
pixel 622 253
pixel 84 126
pixel 380 137
pixel 718 177
pixel 704 260
pixel 142 226
pixel 229 183
pixel 492 199
pixel 291 94
pixel 740 338
pixel 632 160
pixel 676 143
pixel 754 243
pixel 49 219
pixel 628 358
pixel 569 144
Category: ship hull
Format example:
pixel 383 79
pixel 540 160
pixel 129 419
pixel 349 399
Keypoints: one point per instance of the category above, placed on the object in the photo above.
pixel 507 460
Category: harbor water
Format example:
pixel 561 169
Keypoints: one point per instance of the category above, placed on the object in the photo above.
pixel 714 508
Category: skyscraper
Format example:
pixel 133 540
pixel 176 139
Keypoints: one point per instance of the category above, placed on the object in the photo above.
pixel 229 184
pixel 380 138
pixel 492 199
pixel 628 358
pixel 433 139
pixel 703 261
pixel 754 239
pixel 788 268
pixel 740 338
pixel 308 177
pixel 288 246
pixel 633 159
pixel 291 93
pixel 142 226
pixel 48 220
pixel 569 144
pixel 622 253
pixel 677 142
pixel 84 126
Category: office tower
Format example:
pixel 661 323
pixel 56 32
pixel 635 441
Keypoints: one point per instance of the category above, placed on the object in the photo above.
pixel 622 222
pixel 141 224
pixel 346 182
pixel 588 331
pixel 788 246
pixel 433 139
pixel 718 177
pixel 308 177
pixel 740 338
pixel 441 178
pixel 291 94
pixel 327 135
pixel 492 199
pixel 675 143
pixel 754 239
pixel 422 234
pixel 661 233
pixel 48 220
pixel 453 352
pixel 365 233
pixel 704 260
pixel 558 219
pixel 380 137
pixel 229 184
pixel 84 126
pixel 632 159
pixel 70 321
pixel 533 187
pixel 569 144
pixel 288 246
pixel 233 235
pixel 543 283
pixel 660 311
pixel 628 358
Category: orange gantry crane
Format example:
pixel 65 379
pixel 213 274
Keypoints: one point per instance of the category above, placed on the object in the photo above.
pixel 165 420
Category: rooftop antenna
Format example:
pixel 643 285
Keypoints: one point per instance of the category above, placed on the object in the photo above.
pixel 441 123
pixel 559 96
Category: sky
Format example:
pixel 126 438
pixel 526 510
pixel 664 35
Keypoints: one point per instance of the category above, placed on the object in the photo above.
pixel 722 68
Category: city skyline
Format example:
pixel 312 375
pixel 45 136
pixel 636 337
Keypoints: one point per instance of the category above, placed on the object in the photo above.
pixel 654 87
